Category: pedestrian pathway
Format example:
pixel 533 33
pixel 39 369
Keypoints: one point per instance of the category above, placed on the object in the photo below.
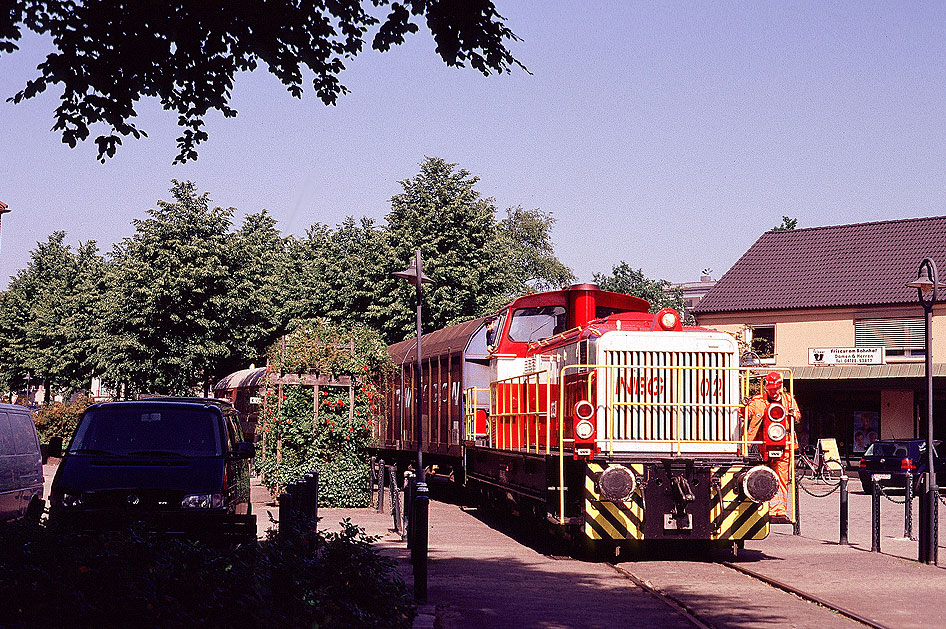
pixel 481 576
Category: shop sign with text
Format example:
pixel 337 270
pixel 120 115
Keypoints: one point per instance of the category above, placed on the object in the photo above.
pixel 846 356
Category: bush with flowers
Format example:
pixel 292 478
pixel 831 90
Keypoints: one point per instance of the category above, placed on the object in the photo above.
pixel 337 444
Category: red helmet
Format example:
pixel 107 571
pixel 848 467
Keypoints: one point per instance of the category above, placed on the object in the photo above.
pixel 773 381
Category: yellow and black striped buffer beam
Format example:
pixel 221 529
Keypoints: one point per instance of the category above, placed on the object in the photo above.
pixel 734 517
pixel 605 519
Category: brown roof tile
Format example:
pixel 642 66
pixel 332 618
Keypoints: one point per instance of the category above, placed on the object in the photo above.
pixel 866 264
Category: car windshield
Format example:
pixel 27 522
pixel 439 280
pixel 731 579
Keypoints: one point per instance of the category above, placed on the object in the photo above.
pixel 148 431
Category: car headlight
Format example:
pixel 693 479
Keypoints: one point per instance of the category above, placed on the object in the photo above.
pixel 202 501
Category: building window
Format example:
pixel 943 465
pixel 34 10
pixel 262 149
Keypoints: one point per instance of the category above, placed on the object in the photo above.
pixel 902 337
pixel 762 340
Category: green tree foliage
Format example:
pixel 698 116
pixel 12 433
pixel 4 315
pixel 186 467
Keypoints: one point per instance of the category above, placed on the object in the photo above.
pixel 788 224
pixel 259 269
pixel 186 53
pixel 477 262
pixel 441 213
pixel 172 297
pixel 527 236
pixel 624 279
pixel 49 323
pixel 336 273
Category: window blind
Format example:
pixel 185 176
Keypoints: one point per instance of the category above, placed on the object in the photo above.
pixel 903 333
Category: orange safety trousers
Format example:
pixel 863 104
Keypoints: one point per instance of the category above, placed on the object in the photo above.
pixel 778 506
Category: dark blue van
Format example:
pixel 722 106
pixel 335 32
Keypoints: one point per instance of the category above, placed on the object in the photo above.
pixel 178 467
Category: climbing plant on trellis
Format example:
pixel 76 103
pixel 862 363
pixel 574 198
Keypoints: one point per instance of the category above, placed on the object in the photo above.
pixel 320 397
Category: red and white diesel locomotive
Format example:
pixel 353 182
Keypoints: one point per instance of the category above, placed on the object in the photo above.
pixel 610 422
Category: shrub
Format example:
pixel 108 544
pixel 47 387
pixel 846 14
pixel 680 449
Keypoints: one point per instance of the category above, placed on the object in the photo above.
pixel 54 577
pixel 59 419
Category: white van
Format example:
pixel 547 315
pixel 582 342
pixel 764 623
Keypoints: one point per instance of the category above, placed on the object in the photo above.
pixel 21 465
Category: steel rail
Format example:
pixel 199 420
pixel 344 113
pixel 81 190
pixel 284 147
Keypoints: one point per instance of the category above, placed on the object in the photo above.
pixel 803 595
pixel 667 600
pixel 693 617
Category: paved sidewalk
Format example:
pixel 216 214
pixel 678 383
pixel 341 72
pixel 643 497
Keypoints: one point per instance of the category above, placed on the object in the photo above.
pixel 482 577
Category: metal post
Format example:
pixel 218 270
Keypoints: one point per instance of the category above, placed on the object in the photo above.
pixel 419 379
pixel 419 551
pixel 932 492
pixel 315 498
pixel 908 507
pixel 308 512
pixel 285 505
pixel 842 536
pixel 796 524
pixel 923 549
pixel 875 518
pixel 927 281
pixel 421 499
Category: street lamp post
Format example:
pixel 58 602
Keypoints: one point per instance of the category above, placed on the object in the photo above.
pixel 927 282
pixel 418 522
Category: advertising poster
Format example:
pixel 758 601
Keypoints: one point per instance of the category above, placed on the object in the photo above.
pixel 866 429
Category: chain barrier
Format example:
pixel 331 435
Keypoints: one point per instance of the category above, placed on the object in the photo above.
pixel 890 497
pixel 834 486
pixel 395 501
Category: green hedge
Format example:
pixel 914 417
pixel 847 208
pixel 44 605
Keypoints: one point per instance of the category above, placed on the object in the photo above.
pixel 53 577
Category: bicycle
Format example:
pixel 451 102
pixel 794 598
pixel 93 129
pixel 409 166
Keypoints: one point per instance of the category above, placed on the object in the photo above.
pixel 815 473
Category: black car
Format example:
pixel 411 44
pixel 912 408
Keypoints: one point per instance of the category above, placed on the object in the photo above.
pixel 176 466
pixel 889 459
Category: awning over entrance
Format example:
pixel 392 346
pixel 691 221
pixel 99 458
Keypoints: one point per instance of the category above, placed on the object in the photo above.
pixel 867 372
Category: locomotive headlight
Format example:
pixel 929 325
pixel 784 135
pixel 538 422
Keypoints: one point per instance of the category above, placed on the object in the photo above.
pixel 759 484
pixel 668 320
pixel 617 483
pixel 776 432
pixel 584 429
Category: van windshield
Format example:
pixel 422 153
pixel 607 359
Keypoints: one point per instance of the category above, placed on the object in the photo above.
pixel 148 431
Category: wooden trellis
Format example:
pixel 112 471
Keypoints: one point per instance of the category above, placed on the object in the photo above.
pixel 313 379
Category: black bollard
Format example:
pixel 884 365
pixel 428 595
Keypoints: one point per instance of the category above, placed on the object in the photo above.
pixel 923 553
pixel 875 518
pixel 310 498
pixel 842 537
pixel 285 520
pixel 908 506
pixel 315 498
pixel 419 551
pixel 796 524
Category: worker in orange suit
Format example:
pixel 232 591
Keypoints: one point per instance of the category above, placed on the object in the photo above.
pixel 772 393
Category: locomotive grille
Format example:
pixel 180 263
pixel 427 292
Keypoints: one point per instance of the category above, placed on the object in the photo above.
pixel 670 396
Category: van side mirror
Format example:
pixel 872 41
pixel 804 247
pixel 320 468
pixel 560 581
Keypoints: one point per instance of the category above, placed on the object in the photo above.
pixel 55 447
pixel 244 450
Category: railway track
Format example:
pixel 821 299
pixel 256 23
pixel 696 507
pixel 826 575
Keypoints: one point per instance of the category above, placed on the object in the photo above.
pixel 688 603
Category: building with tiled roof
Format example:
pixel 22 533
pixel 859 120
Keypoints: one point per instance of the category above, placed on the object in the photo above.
pixel 832 304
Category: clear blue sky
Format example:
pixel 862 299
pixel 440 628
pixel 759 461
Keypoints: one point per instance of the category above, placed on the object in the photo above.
pixel 665 134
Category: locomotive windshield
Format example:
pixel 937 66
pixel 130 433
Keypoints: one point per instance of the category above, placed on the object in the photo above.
pixel 534 324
